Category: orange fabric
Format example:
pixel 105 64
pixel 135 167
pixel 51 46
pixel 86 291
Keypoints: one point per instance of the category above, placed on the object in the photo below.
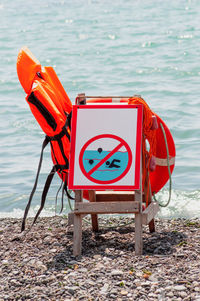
pixel 149 135
pixel 27 67
pixel 54 95
pixel 52 79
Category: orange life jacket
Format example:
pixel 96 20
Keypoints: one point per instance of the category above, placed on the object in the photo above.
pixel 51 107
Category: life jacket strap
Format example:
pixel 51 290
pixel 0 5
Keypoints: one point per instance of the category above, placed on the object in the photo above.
pixel 44 193
pixel 64 129
pixel 58 138
pixel 44 144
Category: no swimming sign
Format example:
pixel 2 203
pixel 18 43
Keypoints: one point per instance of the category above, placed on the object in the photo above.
pixel 105 147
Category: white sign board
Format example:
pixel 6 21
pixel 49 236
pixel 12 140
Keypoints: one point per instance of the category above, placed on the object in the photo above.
pixel 105 147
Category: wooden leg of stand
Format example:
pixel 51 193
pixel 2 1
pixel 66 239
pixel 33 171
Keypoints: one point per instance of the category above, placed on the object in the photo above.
pixel 138 234
pixel 148 195
pixel 94 217
pixel 152 222
pixel 77 237
pixel 152 226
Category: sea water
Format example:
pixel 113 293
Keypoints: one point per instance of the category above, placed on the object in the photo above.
pixel 151 48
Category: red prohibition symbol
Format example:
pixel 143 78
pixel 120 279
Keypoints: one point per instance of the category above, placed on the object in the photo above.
pixel 105 166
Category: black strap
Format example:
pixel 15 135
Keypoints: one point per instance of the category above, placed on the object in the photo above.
pixel 60 135
pixel 67 192
pixel 64 189
pixel 62 199
pixel 64 129
pixel 63 153
pixel 45 191
pixel 68 121
pixel 44 144
pixel 56 201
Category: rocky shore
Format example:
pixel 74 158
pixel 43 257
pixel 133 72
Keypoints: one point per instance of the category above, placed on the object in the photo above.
pixel 39 265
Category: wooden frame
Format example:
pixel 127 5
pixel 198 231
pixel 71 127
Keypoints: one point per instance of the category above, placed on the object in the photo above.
pixel 109 202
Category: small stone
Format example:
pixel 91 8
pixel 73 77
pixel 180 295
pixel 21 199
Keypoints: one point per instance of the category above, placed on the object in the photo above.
pixel 14 282
pixel 179 288
pixel 123 293
pixel 104 289
pixel 137 282
pixel 83 270
pixel 15 272
pixel 170 294
pixel 183 294
pixel 180 255
pixel 145 284
pixel 195 283
pixel 152 295
pixel 71 275
pixel 72 289
pixel 113 291
pixel 63 222
pixel 116 273
pixel 139 274
pixel 97 257
pixel 53 250
pixel 99 266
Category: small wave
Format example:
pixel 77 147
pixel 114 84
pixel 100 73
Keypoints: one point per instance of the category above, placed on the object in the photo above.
pixel 19 213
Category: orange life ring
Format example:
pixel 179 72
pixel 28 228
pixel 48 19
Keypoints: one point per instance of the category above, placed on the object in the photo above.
pixel 160 175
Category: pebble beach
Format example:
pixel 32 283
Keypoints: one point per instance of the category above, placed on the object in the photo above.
pixel 38 264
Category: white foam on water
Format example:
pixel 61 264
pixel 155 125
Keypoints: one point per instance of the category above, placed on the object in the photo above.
pixel 182 205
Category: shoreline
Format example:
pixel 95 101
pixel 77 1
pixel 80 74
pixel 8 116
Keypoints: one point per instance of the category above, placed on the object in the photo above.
pixel 39 265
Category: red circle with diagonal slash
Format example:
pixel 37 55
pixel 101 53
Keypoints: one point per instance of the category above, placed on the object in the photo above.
pixel 121 144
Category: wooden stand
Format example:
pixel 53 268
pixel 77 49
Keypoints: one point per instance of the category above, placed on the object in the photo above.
pixel 108 202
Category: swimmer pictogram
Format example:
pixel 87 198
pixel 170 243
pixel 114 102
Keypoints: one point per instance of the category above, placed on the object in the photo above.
pixel 105 159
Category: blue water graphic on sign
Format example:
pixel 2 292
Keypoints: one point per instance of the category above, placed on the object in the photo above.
pixel 110 169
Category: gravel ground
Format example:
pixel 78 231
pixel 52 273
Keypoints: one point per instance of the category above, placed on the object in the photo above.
pixel 39 265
